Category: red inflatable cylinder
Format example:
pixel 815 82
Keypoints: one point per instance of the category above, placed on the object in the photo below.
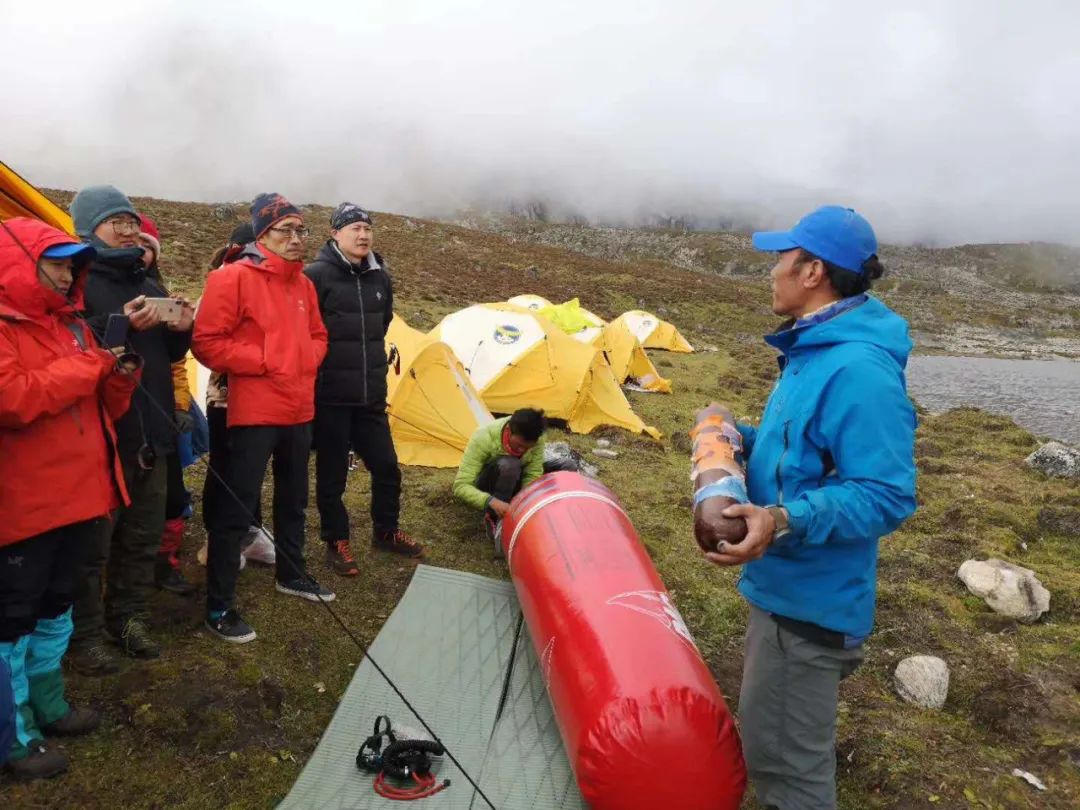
pixel 642 720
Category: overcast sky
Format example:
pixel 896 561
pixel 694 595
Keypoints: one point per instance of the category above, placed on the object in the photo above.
pixel 948 121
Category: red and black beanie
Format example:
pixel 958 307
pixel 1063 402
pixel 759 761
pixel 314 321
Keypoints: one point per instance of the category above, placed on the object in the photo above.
pixel 269 208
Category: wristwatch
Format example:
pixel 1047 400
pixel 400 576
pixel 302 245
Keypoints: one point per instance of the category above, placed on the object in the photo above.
pixel 783 524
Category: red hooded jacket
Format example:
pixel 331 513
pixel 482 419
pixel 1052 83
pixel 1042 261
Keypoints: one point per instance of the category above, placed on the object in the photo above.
pixel 259 323
pixel 58 400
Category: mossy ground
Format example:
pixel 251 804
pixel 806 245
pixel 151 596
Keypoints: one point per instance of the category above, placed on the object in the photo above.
pixel 214 726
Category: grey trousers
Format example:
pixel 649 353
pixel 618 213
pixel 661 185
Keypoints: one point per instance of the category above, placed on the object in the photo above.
pixel 787 715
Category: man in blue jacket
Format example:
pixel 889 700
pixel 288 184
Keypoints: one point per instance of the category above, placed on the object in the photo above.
pixel 830 471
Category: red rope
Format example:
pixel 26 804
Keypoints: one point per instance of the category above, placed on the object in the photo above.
pixel 425 786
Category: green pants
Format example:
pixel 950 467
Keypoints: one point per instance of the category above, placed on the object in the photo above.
pixel 117 574
pixel 787 715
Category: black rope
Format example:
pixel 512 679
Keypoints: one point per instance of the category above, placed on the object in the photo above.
pixel 251 517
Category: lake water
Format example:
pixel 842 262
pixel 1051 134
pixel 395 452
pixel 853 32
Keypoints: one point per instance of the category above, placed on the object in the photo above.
pixel 1041 395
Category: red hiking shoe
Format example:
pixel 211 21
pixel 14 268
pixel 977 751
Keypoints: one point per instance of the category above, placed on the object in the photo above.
pixel 339 557
pixel 398 542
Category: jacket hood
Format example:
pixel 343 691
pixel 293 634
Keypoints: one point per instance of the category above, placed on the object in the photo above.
pixel 22 241
pixel 862 319
pixel 331 253
pixel 254 255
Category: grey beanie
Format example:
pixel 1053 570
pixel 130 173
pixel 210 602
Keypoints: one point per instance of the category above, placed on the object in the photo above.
pixel 95 204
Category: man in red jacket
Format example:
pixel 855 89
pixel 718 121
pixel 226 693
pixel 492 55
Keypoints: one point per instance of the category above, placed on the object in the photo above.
pixel 259 323
pixel 60 476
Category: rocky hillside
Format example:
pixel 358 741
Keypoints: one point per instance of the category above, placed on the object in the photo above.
pixel 1002 299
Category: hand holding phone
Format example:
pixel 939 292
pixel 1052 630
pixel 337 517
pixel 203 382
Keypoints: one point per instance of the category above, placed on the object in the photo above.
pixel 116 331
pixel 169 310
pixel 141 316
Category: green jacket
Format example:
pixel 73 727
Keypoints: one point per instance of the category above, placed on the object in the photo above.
pixel 486 446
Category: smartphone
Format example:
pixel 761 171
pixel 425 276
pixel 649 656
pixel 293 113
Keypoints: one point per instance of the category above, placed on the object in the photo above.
pixel 169 309
pixel 116 331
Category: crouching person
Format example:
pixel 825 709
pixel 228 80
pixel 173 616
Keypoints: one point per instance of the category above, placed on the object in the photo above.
pixel 60 476
pixel 259 323
pixel 501 459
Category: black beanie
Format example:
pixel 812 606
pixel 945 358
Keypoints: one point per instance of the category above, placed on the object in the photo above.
pixel 346 214
pixel 269 208
pixel 242 234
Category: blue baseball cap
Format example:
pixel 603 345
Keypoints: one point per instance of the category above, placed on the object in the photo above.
pixel 70 250
pixel 833 233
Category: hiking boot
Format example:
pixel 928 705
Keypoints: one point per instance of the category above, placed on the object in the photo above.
pixel 94 659
pixel 259 547
pixel 171 579
pixel 306 588
pixel 135 640
pixel 339 557
pixel 230 627
pixel 75 722
pixel 41 763
pixel 397 542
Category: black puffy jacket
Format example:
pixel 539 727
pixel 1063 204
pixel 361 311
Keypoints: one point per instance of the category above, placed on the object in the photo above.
pixel 357 305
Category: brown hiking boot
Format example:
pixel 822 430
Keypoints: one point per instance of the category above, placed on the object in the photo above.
pixel 42 762
pixel 339 557
pixel 75 722
pixel 134 639
pixel 94 660
pixel 397 542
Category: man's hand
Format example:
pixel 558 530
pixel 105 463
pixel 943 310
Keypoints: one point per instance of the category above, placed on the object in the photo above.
pixel 127 363
pixel 500 508
pixel 140 316
pixel 187 316
pixel 760 529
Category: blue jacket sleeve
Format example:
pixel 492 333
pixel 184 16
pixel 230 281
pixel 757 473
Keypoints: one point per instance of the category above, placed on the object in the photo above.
pixel 749 434
pixel 867 423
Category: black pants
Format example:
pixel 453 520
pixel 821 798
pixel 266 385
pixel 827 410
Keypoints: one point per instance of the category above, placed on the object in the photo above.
pixel 250 448
pixel 501 478
pixel 38 576
pixel 366 431
pixel 176 495
pixel 214 493
pixel 119 559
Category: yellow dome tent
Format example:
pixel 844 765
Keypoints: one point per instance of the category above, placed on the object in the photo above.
pixel 20 199
pixel 621 348
pixel 531 302
pixel 573 319
pixel 653 332
pixel 433 407
pixel 628 360
pixel 517 359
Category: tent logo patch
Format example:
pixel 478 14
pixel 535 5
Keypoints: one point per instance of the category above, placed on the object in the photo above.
pixel 507 334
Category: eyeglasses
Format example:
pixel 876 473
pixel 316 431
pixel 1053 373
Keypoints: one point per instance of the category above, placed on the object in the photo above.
pixel 289 233
pixel 124 225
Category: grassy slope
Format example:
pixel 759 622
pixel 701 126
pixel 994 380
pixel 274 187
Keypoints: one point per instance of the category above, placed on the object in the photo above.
pixel 213 726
